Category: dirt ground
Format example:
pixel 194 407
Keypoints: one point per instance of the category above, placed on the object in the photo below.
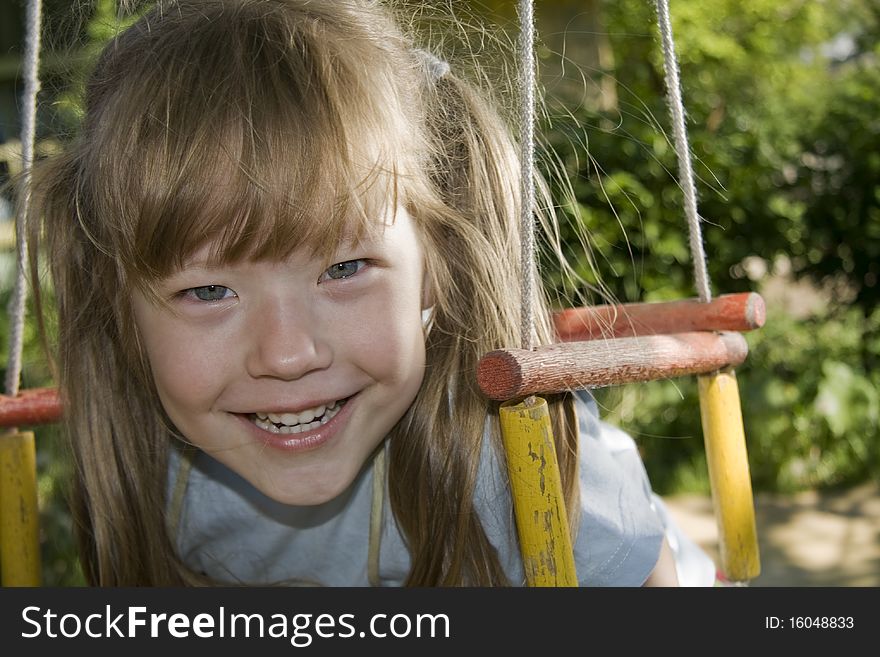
pixel 807 539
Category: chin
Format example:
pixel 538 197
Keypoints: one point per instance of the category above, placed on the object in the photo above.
pixel 306 495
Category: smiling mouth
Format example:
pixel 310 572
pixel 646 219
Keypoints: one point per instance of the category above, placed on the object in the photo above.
pixel 292 423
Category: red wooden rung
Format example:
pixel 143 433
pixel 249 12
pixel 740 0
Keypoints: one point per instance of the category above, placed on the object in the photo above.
pixel 510 373
pixel 29 407
pixel 743 311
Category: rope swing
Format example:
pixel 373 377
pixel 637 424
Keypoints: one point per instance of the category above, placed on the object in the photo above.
pixel 526 431
pixel 646 344
pixel 720 409
pixel 19 514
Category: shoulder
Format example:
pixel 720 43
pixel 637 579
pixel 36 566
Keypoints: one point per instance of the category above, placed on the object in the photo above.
pixel 694 566
pixel 620 532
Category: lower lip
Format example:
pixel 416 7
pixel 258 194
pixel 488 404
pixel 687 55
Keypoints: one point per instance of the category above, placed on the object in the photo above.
pixel 307 440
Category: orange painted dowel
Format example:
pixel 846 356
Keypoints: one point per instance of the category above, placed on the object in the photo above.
pixel 29 407
pixel 510 373
pixel 728 312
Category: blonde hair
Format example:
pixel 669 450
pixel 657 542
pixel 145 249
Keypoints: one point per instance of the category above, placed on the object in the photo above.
pixel 236 123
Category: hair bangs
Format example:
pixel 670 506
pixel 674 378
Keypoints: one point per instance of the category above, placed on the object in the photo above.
pixel 295 188
pixel 268 137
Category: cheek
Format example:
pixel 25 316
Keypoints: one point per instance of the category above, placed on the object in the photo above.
pixel 387 337
pixel 183 370
pixel 184 378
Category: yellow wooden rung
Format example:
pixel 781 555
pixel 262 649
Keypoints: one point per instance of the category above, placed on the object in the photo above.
pixel 536 486
pixel 19 516
pixel 729 476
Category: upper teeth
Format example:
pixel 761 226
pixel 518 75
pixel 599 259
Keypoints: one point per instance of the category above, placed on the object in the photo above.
pixel 297 422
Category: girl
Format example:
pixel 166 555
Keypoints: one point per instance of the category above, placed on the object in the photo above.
pixel 279 246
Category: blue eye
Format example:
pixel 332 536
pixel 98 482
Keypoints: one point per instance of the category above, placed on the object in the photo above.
pixel 343 270
pixel 210 292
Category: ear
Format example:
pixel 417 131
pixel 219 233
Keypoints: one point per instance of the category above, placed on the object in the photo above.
pixel 427 289
pixel 427 302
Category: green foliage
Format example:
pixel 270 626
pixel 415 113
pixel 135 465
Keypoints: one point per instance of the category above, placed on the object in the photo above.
pixel 101 24
pixel 813 407
pixel 840 175
pixel 783 120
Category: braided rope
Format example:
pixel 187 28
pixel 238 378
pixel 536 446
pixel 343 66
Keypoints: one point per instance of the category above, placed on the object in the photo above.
pixel 527 181
pixel 28 133
pixel 683 150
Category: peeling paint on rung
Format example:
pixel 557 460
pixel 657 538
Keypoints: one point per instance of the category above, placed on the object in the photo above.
pixel 539 507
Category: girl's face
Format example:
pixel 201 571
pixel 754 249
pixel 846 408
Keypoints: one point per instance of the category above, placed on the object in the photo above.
pixel 289 373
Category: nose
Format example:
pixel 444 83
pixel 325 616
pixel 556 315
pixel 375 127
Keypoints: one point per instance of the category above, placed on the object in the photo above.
pixel 286 343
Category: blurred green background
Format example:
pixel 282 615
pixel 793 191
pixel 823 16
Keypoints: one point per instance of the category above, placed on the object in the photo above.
pixel 784 119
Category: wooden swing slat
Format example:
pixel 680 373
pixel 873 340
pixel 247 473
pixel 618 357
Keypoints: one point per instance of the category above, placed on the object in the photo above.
pixel 30 407
pixel 512 373
pixel 729 312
